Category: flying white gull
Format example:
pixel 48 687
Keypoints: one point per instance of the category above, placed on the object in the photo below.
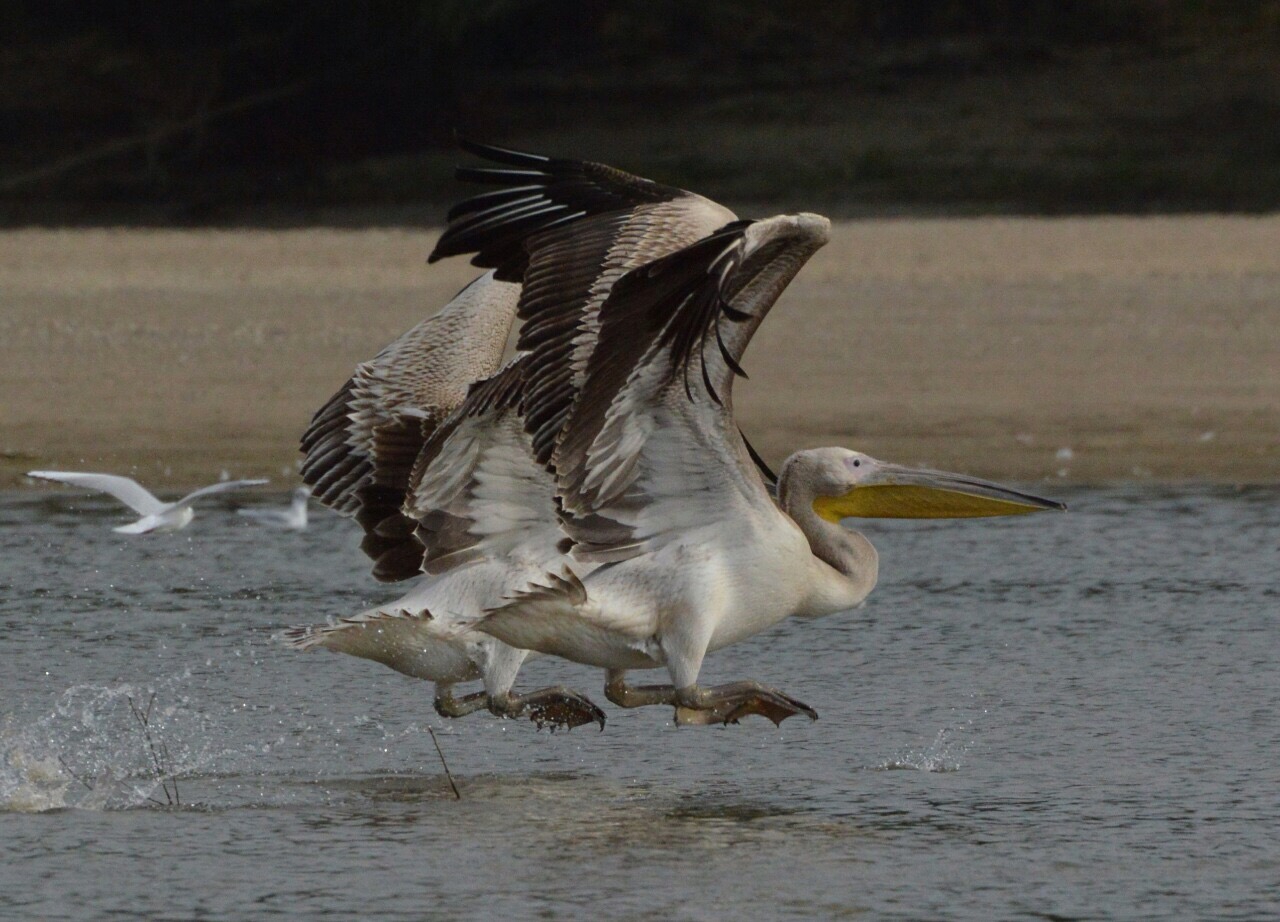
pixel 295 517
pixel 157 515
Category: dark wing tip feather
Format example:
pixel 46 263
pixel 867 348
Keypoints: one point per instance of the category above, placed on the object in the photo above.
pixel 761 465
pixel 397 562
pixel 501 154
pixel 546 192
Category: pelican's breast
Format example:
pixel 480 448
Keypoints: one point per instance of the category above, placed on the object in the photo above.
pixel 763 566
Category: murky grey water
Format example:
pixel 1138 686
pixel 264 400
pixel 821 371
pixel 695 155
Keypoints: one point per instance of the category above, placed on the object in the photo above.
pixel 1055 717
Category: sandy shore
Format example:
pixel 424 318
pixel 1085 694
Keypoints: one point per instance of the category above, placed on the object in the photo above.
pixel 1073 350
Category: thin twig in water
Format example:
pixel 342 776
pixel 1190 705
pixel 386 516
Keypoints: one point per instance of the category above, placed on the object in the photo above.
pixel 168 760
pixel 144 721
pixel 70 771
pixel 448 774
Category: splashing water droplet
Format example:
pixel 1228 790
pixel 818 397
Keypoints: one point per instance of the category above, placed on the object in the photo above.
pixel 942 755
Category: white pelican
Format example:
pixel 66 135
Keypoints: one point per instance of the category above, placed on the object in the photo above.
pixel 294 518
pixel 157 515
pixel 639 301
pixel 360 450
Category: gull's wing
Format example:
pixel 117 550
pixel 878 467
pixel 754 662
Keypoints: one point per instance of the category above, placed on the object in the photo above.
pixel 361 446
pixel 567 229
pixel 477 493
pixel 223 487
pixel 650 448
pixel 129 492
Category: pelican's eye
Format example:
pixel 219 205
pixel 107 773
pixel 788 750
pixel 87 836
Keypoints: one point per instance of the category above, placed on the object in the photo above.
pixel 857 462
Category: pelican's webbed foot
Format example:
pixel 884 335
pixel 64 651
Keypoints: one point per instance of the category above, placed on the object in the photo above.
pixel 720 704
pixel 556 707
pixel 729 703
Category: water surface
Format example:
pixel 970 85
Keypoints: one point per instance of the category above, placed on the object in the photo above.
pixel 1060 716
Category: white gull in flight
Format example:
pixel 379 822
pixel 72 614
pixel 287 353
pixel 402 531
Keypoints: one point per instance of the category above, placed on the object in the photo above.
pixel 157 515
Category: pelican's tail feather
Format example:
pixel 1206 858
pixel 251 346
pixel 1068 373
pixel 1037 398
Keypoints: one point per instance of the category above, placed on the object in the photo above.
pixel 303 637
pixel 338 633
pixel 564 589
pixel 410 642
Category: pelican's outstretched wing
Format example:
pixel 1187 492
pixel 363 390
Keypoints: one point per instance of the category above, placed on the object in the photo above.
pixel 650 447
pixel 536 194
pixel 129 492
pixel 567 229
pixel 361 446
pixel 477 492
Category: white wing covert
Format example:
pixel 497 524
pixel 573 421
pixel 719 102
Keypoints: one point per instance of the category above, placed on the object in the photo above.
pixel 223 487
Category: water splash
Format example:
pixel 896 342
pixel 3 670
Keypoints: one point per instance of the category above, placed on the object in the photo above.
pixel 103 748
pixel 944 754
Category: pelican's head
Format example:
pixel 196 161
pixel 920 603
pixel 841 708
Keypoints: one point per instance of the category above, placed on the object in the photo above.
pixel 849 484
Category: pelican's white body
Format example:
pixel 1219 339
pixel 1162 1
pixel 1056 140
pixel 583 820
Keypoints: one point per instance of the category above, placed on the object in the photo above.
pixel 710 587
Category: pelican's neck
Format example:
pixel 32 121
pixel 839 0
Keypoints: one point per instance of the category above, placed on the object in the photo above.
pixel 847 552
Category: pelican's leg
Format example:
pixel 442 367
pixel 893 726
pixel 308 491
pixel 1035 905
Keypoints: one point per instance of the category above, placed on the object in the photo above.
pixel 554 706
pixel 623 695
pixel 449 706
pixel 696 705
pixel 685 646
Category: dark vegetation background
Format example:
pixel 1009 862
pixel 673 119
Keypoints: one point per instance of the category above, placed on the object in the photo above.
pixel 293 111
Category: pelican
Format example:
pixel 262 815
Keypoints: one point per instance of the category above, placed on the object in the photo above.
pixel 294 518
pixel 157 515
pixel 638 303
pixel 360 451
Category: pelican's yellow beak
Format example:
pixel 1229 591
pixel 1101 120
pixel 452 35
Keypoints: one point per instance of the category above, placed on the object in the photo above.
pixel 895 492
